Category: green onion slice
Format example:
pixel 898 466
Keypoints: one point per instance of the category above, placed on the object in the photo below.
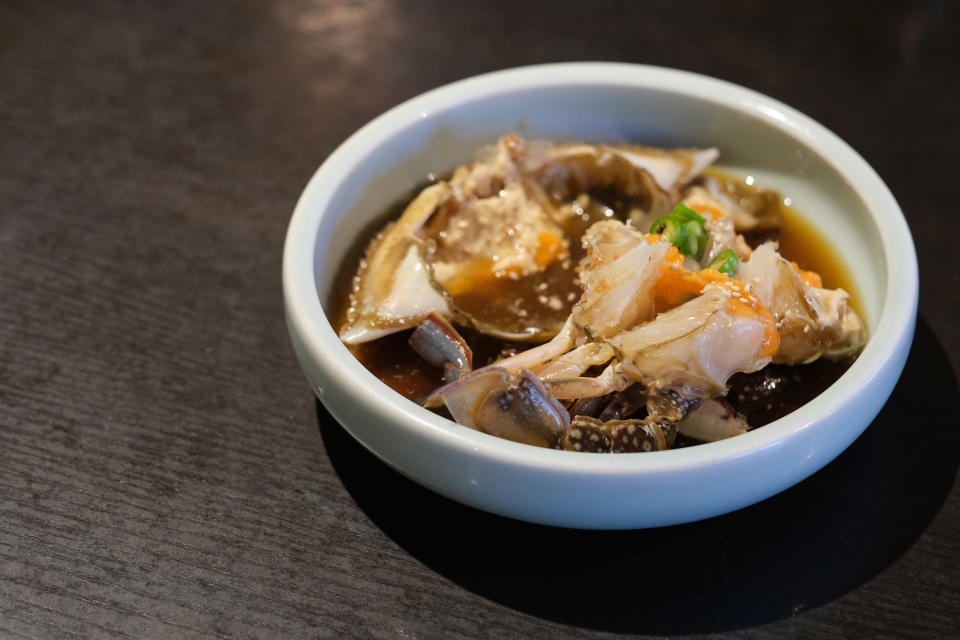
pixel 696 240
pixel 672 229
pixel 726 262
pixel 687 214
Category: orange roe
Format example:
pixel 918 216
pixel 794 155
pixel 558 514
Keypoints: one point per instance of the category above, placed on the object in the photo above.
pixel 549 248
pixel 708 211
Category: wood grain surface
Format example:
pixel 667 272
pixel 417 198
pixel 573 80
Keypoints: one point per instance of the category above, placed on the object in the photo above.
pixel 165 471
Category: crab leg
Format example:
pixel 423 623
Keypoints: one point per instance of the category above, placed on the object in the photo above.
pixel 556 347
pixel 582 387
pixel 438 343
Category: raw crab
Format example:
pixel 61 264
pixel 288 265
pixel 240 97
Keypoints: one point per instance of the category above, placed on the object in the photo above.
pixel 638 342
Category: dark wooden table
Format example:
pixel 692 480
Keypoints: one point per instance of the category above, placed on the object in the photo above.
pixel 164 468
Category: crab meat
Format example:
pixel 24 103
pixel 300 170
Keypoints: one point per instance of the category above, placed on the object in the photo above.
pixel 812 321
pixel 694 348
pixel 618 275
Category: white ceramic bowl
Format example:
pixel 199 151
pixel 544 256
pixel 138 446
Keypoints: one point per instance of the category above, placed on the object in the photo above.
pixel 827 181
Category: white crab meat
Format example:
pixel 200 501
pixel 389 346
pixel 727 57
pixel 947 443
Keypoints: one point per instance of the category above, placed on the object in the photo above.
pixel 618 277
pixel 694 348
pixel 812 321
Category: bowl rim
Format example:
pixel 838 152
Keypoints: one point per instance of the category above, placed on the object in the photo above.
pixel 307 318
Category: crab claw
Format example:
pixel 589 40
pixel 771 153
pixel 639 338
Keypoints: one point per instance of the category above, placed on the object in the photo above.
pixel 631 436
pixel 586 434
pixel 517 408
pixel 438 343
pixel 618 436
pixel 523 412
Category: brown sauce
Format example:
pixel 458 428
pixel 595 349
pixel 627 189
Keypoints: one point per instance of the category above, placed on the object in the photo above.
pixel 542 299
pixel 798 239
pixel 762 397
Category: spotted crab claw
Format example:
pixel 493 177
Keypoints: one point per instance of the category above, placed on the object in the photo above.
pixel 588 435
pixel 619 436
pixel 812 321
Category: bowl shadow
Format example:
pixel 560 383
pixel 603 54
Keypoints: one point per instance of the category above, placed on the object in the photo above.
pixel 793 552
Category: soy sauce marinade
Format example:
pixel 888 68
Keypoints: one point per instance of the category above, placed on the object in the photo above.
pixel 762 396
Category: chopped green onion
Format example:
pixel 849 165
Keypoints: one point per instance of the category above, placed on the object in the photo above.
pixel 726 262
pixel 684 229
pixel 696 240
pixel 687 214
pixel 670 228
